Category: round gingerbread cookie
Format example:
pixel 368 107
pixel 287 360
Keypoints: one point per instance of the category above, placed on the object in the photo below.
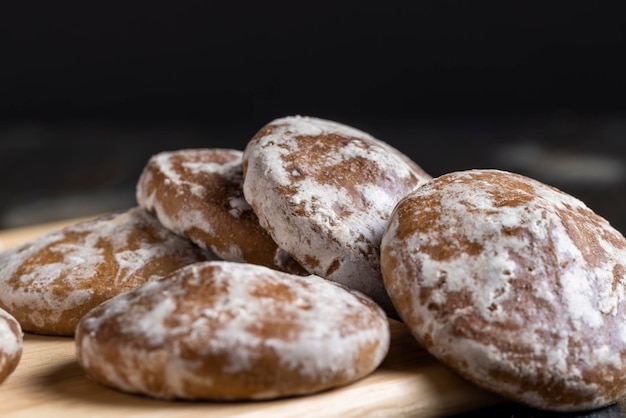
pixel 516 285
pixel 225 330
pixel 198 193
pixel 50 282
pixel 324 192
pixel 10 344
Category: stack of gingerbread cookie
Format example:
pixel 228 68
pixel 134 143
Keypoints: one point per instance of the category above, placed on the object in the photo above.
pixel 271 272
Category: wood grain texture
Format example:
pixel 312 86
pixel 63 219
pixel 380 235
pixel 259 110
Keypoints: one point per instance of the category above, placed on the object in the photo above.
pixel 409 383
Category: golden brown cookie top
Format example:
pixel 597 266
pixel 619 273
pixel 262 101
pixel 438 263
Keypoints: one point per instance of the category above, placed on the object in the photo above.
pixel 198 193
pixel 324 191
pixel 228 330
pixel 50 281
pixel 513 283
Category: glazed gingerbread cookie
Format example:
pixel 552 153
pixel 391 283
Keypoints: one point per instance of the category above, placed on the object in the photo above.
pixel 10 344
pixel 226 331
pixel 324 192
pixel 198 193
pixel 516 285
pixel 50 282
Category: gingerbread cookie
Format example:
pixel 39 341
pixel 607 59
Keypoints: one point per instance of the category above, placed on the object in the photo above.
pixel 198 193
pixel 225 330
pixel 516 285
pixel 324 192
pixel 50 282
pixel 10 344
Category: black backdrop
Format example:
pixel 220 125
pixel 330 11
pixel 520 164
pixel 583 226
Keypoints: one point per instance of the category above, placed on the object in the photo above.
pixel 89 90
pixel 224 62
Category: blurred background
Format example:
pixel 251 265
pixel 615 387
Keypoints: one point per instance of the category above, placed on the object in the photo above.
pixel 90 90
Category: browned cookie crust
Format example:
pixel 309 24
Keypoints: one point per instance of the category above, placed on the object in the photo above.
pixel 198 193
pixel 224 330
pixel 50 282
pixel 516 285
pixel 10 344
pixel 324 191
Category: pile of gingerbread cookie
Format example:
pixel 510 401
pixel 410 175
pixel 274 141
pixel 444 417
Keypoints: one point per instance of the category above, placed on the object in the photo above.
pixel 272 272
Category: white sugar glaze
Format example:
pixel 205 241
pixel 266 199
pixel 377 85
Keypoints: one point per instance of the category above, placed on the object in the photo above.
pixel 57 271
pixel 336 223
pixel 585 295
pixel 229 170
pixel 198 193
pixel 10 342
pixel 319 344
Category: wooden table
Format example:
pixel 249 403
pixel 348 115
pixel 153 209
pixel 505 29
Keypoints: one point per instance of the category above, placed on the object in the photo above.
pixel 410 383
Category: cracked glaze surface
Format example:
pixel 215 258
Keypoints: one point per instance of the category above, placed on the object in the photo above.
pixel 49 282
pixel 225 330
pixel 11 344
pixel 198 193
pixel 324 191
pixel 514 284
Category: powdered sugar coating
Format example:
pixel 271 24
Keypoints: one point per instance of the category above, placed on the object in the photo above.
pixel 223 330
pixel 516 285
pixel 324 191
pixel 52 280
pixel 11 344
pixel 197 193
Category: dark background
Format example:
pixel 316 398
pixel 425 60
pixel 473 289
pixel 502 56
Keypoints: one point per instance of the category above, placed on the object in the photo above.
pixel 89 90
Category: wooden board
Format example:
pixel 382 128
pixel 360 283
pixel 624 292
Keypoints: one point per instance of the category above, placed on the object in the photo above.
pixel 48 382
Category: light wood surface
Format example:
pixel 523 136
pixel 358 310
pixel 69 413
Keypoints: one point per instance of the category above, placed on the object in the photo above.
pixel 12 237
pixel 48 382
